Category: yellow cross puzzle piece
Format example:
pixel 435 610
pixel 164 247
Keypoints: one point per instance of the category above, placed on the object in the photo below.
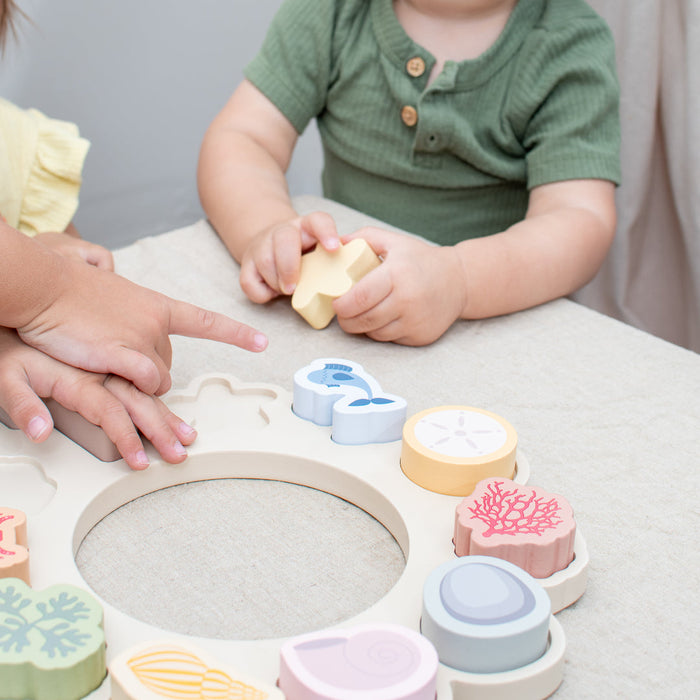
pixel 325 276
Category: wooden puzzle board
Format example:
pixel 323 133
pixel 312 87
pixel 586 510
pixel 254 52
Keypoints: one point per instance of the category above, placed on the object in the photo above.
pixel 249 431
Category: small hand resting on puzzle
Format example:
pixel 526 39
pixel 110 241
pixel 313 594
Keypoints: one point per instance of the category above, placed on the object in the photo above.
pixel 98 344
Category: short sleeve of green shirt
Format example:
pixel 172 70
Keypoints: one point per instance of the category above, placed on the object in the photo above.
pixel 294 64
pixel 566 104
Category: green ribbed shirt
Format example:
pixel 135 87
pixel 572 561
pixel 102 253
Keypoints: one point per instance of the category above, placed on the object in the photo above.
pixel 539 106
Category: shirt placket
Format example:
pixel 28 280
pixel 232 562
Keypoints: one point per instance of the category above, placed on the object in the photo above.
pixel 425 115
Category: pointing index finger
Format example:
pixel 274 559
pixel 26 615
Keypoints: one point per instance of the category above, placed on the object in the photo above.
pixel 195 322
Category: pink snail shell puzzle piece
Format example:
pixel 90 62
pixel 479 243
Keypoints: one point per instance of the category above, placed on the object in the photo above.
pixel 337 392
pixel 52 644
pixel 78 429
pixel 164 670
pixel 525 525
pixel 14 556
pixel 366 662
pixel 327 275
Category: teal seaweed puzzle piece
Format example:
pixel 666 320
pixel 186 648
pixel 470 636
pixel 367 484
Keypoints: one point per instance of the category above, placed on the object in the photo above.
pixel 52 644
pixel 337 392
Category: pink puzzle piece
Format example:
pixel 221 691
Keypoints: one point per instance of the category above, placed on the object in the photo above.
pixel 14 557
pixel 80 430
pixel 524 525
pixel 367 662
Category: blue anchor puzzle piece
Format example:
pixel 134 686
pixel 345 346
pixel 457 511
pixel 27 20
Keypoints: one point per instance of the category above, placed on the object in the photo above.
pixel 341 394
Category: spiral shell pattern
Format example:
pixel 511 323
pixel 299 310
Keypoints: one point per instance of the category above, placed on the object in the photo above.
pixel 180 675
pixel 389 655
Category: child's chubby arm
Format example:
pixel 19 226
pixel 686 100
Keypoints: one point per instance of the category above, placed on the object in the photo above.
pixel 98 321
pixel 420 289
pixel 111 402
pixel 241 178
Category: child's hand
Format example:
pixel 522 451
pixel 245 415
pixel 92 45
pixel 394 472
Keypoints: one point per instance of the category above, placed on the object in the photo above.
pixel 105 400
pixel 98 321
pixel 412 298
pixel 270 265
pixel 70 245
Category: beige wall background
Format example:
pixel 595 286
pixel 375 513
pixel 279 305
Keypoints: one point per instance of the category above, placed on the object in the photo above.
pixel 143 79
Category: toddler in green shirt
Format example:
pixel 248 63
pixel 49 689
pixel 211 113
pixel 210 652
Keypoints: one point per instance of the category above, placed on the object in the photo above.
pixel 489 127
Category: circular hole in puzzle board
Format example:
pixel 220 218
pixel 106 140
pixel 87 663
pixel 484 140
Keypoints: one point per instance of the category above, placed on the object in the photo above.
pixel 233 558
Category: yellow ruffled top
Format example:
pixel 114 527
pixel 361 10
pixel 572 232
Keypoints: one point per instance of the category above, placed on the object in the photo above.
pixel 41 164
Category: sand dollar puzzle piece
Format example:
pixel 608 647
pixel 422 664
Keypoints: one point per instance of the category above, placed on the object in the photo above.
pixel 337 392
pixel 327 275
pixel 51 642
pixel 449 449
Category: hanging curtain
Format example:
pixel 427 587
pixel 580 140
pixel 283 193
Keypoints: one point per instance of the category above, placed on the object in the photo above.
pixel 651 278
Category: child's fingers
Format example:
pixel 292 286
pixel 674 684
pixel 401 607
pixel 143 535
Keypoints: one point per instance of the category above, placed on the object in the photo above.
pixel 378 239
pixel 286 247
pixel 151 417
pixel 254 285
pixel 149 374
pixel 195 322
pixel 364 296
pixel 24 407
pixel 98 256
pixel 319 227
pixel 93 401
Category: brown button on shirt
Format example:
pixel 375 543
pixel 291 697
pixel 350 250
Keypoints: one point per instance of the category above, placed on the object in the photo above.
pixel 409 115
pixel 415 66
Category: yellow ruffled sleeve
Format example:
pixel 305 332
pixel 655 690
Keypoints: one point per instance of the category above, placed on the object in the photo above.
pixel 40 169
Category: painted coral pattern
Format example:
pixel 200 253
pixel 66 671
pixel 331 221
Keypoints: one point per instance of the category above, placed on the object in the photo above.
pixel 515 511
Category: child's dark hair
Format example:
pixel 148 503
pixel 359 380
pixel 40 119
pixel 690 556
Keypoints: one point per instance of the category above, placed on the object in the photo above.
pixel 8 14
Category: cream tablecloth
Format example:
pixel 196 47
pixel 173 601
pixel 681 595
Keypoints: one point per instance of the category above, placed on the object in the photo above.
pixel 608 416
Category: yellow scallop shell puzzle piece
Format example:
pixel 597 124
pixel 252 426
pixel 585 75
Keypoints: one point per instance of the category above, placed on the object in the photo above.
pixel 179 672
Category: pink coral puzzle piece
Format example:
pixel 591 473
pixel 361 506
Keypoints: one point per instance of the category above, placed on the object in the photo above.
pixel 78 429
pixel 367 662
pixel 524 525
pixel 325 276
pixel 14 556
